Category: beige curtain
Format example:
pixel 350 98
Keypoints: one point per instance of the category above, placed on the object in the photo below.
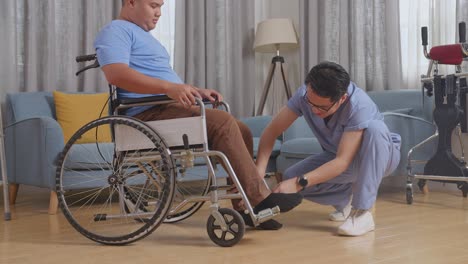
pixel 361 35
pixel 213 49
pixel 8 49
pixel 42 38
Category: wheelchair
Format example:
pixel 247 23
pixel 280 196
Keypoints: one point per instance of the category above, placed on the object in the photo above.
pixel 450 114
pixel 118 178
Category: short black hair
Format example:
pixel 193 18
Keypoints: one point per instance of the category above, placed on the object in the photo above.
pixel 328 79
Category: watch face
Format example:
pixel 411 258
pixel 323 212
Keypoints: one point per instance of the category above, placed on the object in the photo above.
pixel 303 181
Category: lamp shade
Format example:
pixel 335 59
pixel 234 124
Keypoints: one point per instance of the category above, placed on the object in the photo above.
pixel 275 35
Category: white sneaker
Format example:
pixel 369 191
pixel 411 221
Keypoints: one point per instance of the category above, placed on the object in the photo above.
pixel 340 216
pixel 358 223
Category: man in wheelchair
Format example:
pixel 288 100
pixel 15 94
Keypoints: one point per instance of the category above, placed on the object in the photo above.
pixel 133 60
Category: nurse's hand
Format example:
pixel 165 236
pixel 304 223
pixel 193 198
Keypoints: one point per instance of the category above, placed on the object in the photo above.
pixel 288 186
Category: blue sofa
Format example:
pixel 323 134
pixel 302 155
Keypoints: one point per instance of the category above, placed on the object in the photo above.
pixel 404 114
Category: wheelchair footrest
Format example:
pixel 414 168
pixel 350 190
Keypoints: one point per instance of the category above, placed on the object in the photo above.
pixel 267 214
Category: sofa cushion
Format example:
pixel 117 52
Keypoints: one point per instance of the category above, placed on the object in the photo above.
pixel 298 129
pixel 300 148
pixel 257 124
pixel 84 160
pixel 274 152
pixel 88 157
pixel 75 110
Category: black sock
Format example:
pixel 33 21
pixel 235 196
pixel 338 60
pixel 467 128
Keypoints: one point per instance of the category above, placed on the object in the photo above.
pixel 285 201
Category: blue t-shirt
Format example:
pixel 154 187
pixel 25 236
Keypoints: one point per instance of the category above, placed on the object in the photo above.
pixel 124 42
pixel 354 114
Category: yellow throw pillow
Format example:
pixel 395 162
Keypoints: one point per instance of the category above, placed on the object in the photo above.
pixel 75 110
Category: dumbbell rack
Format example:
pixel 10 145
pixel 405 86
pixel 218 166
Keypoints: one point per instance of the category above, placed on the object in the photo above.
pixel 4 171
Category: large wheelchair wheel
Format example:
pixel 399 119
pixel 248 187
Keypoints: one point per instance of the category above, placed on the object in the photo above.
pixel 194 182
pixel 112 194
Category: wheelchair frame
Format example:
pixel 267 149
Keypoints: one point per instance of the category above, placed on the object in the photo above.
pixel 144 184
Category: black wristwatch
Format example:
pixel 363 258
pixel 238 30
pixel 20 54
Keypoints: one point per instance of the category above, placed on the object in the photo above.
pixel 302 181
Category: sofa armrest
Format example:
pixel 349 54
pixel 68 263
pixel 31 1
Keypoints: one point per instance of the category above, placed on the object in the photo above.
pixel 32 146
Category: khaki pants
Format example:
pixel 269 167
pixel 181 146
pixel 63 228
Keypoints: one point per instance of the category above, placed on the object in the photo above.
pixel 227 135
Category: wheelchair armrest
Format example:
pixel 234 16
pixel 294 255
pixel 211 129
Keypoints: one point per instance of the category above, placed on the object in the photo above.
pixel 159 99
pixel 156 98
pixel 125 103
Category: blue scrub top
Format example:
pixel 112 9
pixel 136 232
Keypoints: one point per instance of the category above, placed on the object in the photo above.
pixel 354 114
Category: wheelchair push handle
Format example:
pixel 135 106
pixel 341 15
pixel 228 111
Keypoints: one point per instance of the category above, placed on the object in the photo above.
pixel 451 54
pixel 89 57
pixel 83 58
pixel 424 36
pixel 462 35
pixel 424 42
pixel 462 32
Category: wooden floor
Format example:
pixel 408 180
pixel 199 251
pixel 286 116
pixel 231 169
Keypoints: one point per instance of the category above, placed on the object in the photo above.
pixel 432 230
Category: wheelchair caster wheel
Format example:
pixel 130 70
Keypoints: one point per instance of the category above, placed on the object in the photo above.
pixel 233 233
pixel 464 188
pixel 421 185
pixel 409 196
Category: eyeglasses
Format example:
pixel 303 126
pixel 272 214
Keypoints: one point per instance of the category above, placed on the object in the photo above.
pixel 318 107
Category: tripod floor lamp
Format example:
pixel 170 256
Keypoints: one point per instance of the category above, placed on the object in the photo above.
pixel 273 36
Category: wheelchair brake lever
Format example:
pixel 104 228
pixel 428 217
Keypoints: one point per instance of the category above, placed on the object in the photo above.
pixel 216 104
pixel 188 158
pixel 185 140
pixel 94 65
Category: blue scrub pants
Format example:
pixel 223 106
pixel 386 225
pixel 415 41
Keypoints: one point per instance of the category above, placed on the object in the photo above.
pixel 378 156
